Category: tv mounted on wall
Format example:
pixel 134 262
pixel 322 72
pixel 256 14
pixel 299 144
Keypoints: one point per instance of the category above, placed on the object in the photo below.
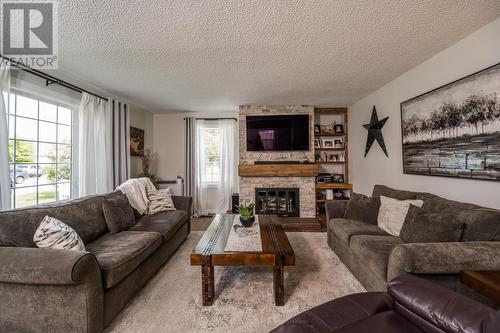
pixel 278 133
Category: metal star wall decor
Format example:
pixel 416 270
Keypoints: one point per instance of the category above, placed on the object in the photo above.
pixel 374 129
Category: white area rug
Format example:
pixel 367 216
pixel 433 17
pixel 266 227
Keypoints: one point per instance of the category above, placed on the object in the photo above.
pixel 171 301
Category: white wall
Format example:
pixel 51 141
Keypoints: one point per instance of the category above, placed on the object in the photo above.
pixel 168 144
pixel 475 52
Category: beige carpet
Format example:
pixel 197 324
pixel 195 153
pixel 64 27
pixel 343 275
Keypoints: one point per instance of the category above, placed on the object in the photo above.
pixel 171 302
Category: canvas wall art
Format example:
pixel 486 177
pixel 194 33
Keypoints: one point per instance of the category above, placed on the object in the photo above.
pixel 454 130
pixel 136 141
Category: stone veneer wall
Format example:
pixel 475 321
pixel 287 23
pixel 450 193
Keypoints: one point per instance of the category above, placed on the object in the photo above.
pixel 305 184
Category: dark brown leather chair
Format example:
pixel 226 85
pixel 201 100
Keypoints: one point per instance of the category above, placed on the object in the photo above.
pixel 410 305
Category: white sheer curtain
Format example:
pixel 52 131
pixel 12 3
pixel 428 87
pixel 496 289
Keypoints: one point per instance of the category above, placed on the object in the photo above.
pixel 5 203
pixel 95 174
pixel 200 183
pixel 228 162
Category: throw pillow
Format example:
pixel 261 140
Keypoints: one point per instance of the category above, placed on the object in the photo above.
pixel 160 201
pixel 392 213
pixel 55 234
pixel 423 226
pixel 362 208
pixel 118 213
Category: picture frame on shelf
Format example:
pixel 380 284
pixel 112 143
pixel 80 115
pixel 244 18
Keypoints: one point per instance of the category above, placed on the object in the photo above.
pixel 326 129
pixel 339 143
pixel 338 129
pixel 317 129
pixel 327 143
pixel 317 143
pixel 332 158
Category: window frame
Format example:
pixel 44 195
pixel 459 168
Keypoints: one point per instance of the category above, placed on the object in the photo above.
pixel 73 137
pixel 212 125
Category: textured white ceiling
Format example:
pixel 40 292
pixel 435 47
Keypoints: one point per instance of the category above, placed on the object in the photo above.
pixel 196 55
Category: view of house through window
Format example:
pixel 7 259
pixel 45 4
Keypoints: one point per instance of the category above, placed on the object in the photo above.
pixel 212 154
pixel 40 150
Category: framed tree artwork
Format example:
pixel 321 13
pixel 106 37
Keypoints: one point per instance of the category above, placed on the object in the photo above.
pixel 136 141
pixel 454 130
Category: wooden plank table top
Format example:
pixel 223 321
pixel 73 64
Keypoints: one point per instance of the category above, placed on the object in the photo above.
pixel 486 283
pixel 209 252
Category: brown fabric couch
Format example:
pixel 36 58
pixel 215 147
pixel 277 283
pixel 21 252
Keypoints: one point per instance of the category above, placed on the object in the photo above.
pixel 375 257
pixel 49 290
pixel 411 305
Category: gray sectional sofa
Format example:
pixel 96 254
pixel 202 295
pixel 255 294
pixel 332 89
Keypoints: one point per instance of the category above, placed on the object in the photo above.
pixel 375 257
pixel 50 290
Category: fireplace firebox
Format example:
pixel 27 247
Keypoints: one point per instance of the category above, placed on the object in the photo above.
pixel 279 201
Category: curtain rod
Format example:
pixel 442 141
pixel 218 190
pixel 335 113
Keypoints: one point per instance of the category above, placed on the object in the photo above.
pixel 214 119
pixel 49 79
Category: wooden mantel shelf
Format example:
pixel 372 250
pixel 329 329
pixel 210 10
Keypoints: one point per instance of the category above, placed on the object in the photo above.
pixel 278 170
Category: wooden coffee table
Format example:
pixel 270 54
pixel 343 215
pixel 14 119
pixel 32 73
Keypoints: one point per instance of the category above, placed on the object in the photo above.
pixel 209 252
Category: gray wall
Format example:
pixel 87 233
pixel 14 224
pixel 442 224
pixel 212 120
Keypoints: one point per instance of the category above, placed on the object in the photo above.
pixel 475 52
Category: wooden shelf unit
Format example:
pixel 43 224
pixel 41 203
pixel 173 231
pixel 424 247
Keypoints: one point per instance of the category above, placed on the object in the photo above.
pixel 341 114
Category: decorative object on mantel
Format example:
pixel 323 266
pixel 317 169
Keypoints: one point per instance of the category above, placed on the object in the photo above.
pixel 246 214
pixel 374 129
pixel 147 158
pixel 454 130
pixel 136 141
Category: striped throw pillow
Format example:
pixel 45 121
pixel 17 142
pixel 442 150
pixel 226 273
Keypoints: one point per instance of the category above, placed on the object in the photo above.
pixel 55 234
pixel 160 201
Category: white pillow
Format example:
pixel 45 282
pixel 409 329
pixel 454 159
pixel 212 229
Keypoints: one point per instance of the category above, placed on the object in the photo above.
pixel 55 234
pixel 160 201
pixel 392 213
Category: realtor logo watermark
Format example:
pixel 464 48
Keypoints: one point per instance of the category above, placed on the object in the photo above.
pixel 29 32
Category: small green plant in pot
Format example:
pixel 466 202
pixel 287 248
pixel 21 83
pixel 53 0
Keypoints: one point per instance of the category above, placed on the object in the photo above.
pixel 246 214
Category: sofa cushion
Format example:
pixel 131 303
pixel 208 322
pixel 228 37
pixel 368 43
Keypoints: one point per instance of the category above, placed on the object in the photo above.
pixel 164 223
pixel 392 213
pixel 55 234
pixel 344 229
pixel 160 201
pixel 373 252
pixel 118 213
pixel 481 224
pixel 119 254
pixel 379 190
pixel 84 215
pixel 422 226
pixel 362 208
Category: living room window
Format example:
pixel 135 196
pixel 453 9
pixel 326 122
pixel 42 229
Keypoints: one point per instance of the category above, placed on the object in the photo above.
pixel 40 150
pixel 212 153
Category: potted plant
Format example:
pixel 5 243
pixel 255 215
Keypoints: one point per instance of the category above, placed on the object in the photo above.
pixel 246 214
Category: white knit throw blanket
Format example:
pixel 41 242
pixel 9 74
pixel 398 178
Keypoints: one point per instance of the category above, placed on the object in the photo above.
pixel 136 191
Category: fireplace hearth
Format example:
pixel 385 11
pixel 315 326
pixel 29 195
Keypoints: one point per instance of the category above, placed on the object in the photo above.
pixel 280 201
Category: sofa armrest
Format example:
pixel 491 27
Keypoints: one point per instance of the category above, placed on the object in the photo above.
pixel 335 209
pixel 418 299
pixel 443 258
pixel 183 203
pixel 45 266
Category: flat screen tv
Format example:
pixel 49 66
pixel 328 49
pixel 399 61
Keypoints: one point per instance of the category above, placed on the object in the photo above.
pixel 278 133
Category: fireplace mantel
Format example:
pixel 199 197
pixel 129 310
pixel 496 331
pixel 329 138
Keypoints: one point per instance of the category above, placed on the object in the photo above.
pixel 278 170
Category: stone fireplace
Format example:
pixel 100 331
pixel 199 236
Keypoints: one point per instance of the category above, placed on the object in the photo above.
pixel 304 183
